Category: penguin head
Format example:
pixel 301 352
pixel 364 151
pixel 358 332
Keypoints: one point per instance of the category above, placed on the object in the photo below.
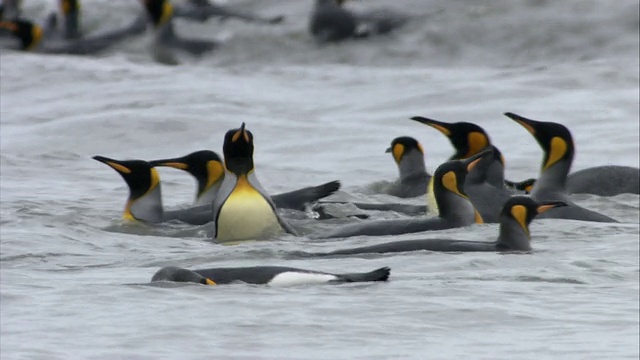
pixel 205 165
pixel 238 151
pixel 468 139
pixel 159 11
pixel 448 186
pixel 515 217
pixel 489 169
pixel 69 6
pixel 525 185
pixel 177 274
pixel 28 33
pixel 404 145
pixel 144 202
pixel 554 139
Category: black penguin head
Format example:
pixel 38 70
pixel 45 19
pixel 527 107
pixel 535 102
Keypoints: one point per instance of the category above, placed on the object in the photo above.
pixel 402 145
pixel 27 32
pixel 554 139
pixel 139 175
pixel 238 151
pixel 205 165
pixel 177 274
pixel 525 185
pixel 159 11
pixel 468 139
pixel 524 209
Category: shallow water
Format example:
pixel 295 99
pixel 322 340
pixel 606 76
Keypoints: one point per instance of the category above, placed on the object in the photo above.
pixel 73 280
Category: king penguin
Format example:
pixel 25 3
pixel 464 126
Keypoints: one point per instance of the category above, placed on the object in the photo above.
pixel 206 167
pixel 514 235
pixel 413 176
pixel 454 207
pixel 264 275
pixel 485 183
pixel 160 13
pixel 145 195
pixel 243 210
pixel 557 144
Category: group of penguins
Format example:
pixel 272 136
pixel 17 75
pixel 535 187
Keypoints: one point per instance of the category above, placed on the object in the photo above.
pixel 469 188
pixel 330 21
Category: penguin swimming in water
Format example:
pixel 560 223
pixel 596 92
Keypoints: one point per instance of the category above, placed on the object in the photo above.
pixel 454 207
pixel 242 209
pixel 557 144
pixel 207 168
pixel 144 203
pixel 264 275
pixel 331 22
pixel 35 38
pixel 605 180
pixel 409 156
pixel 515 217
pixel 485 184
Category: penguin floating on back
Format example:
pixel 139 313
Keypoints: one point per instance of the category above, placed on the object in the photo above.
pixel 557 144
pixel 242 209
pixel 485 183
pixel 515 217
pixel 454 207
pixel 207 168
pixel 264 275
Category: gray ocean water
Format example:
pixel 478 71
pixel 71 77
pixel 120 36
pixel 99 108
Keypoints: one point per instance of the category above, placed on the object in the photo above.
pixel 72 277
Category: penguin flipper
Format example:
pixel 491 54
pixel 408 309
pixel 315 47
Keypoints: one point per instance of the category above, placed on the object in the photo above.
pixel 297 199
pixel 381 274
pixel 198 215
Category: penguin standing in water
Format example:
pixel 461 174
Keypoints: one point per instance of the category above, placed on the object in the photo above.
pixel 207 168
pixel 557 144
pixel 409 156
pixel 515 217
pixel 160 13
pixel 485 183
pixel 144 203
pixel 243 210
pixel 264 275
pixel 454 207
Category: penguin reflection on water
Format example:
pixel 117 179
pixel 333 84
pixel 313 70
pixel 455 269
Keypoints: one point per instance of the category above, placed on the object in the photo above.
pixel 242 209
pixel 207 168
pixel 515 217
pixel 264 275
pixel 454 207
pixel 557 144
pixel 485 184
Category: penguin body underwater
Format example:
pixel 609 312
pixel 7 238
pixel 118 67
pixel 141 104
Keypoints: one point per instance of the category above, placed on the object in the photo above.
pixel 243 210
pixel 515 217
pixel 207 168
pixel 264 275
pixel 144 203
pixel 485 184
pixel 557 144
pixel 454 207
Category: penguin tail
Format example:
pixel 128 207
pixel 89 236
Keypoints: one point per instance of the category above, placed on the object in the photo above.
pixel 381 274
